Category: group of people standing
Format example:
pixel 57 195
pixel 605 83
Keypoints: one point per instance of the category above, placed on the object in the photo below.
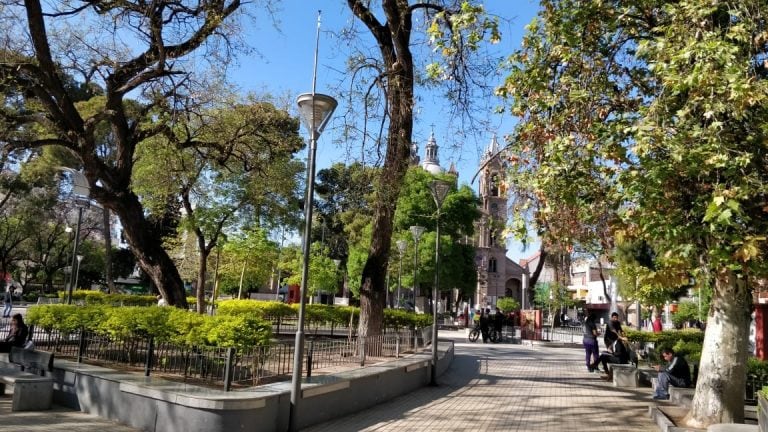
pixel 488 321
pixel 614 340
pixel 676 371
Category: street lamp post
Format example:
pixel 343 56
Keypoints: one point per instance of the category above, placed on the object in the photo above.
pixel 315 110
pixel 81 191
pixel 439 190
pixel 416 232
pixel 401 246
pixel 72 273
pixel 77 274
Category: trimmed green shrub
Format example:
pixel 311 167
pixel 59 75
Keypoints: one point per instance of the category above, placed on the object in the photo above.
pixel 269 309
pixel 162 323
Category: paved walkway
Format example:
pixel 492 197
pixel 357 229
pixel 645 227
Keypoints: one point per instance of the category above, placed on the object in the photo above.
pixel 56 420
pixel 493 387
pixel 504 387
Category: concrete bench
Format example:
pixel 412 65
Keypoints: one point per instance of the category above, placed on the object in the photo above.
pixel 26 371
pixel 624 375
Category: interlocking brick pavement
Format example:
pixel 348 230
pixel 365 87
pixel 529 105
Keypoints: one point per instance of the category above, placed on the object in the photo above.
pixel 505 387
pixel 489 387
pixel 56 420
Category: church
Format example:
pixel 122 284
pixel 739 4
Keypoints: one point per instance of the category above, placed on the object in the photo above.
pixel 497 275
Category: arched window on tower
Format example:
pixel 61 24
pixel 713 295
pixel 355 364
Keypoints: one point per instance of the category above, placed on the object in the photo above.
pixel 495 184
pixel 492 265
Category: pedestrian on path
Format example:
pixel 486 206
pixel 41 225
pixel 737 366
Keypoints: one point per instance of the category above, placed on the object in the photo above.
pixel 498 323
pixel 590 342
pixel 485 324
pixel 8 300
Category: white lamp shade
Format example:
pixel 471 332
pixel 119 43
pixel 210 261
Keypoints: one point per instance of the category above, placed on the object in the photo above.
pixel 315 111
pixel 417 231
pixel 439 191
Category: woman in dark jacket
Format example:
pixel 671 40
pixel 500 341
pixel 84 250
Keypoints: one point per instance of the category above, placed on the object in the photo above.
pixel 17 336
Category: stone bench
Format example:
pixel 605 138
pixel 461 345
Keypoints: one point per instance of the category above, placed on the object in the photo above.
pixel 26 370
pixel 624 375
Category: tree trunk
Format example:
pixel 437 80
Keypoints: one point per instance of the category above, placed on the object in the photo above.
pixel 202 269
pixel 108 252
pixel 539 266
pixel 147 249
pixel 393 39
pixel 719 396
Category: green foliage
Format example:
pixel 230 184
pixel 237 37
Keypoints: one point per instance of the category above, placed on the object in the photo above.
pixel 247 257
pixel 162 323
pixel 667 338
pixel 324 275
pixel 507 304
pixel 319 313
pixel 97 297
pixel 758 370
pixel 690 349
pixel 238 331
pixel 66 319
pixel 270 309
pixel 686 312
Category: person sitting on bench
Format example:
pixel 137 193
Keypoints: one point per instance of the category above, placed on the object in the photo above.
pixel 619 354
pixel 676 373
pixel 17 336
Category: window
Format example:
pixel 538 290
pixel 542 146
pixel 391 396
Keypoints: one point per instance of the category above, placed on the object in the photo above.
pixel 492 265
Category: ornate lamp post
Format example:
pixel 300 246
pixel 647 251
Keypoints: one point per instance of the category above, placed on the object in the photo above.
pixel 315 111
pixel 416 232
pixel 82 191
pixel 401 246
pixel 439 190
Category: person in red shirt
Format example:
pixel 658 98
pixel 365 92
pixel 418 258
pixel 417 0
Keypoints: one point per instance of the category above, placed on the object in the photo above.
pixel 657 327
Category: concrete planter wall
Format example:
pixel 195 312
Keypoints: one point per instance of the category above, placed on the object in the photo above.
pixel 762 412
pixel 155 405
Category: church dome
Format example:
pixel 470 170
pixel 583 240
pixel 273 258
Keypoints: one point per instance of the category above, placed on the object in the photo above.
pixel 431 163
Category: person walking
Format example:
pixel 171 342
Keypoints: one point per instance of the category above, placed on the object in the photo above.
pixel 589 329
pixel 676 373
pixel 498 324
pixel 8 300
pixel 485 324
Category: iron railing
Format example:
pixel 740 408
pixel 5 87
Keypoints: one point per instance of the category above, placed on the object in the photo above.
pixel 217 366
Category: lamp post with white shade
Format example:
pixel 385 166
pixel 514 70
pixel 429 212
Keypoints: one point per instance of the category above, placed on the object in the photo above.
pixel 315 110
pixel 401 247
pixel 439 190
pixel 416 232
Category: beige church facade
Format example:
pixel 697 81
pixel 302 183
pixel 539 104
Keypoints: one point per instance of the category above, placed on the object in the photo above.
pixel 497 275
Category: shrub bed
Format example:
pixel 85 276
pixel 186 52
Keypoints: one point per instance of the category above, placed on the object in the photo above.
pixel 164 324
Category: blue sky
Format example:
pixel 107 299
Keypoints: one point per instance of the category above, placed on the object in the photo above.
pixel 284 66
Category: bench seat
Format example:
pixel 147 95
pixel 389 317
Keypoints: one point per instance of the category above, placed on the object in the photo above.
pixel 28 371
pixel 624 375
pixel 30 392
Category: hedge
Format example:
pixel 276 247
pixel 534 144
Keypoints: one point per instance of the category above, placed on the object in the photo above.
pixel 91 297
pixel 164 324
pixel 319 313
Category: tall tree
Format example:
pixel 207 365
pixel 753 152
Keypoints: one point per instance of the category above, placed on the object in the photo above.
pixel 664 105
pixel 456 28
pixel 159 39
pixel 247 178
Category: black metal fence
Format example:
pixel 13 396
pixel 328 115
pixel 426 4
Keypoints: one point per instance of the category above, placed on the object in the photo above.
pixel 553 334
pixel 226 367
